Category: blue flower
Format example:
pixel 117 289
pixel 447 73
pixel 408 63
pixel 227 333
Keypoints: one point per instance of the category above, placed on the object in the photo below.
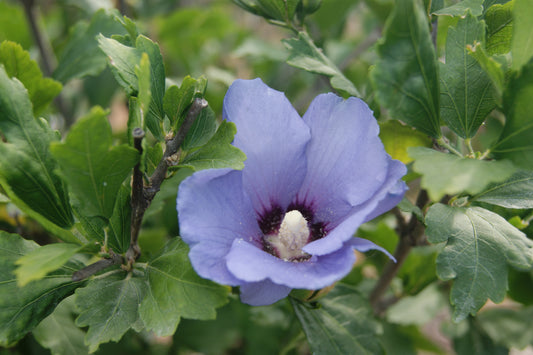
pixel 287 219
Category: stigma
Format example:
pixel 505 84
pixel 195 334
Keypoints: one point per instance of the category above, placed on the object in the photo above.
pixel 292 236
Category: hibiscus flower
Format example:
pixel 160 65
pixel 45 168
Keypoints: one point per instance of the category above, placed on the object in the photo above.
pixel 287 220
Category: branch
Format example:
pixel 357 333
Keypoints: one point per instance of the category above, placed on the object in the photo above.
pixel 82 274
pixel 47 55
pixel 172 147
pixel 411 234
pixel 142 196
pixel 138 203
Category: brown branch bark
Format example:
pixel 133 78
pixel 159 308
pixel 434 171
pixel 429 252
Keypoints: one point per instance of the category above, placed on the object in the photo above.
pixel 411 234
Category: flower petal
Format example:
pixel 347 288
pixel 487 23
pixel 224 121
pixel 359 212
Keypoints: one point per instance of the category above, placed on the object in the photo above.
pixel 364 245
pixel 263 293
pixel 251 264
pixel 273 136
pixel 389 194
pixel 346 161
pixel 213 211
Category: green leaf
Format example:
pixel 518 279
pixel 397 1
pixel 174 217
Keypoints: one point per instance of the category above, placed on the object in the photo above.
pixel 342 324
pixel 499 20
pixel 510 327
pixel 397 138
pixel 461 8
pixel 59 333
pixel 479 246
pixel 447 174
pixel 118 237
pixel 515 142
pixel 18 64
pixel 81 56
pixel 217 152
pixel 177 100
pixel 490 65
pixel 305 55
pixel 406 76
pixel 123 60
pixel 118 227
pixel 109 307
pixel 515 192
pixel 26 167
pixel 467 93
pixel 176 291
pixel 155 114
pixel 202 130
pixel 39 262
pixel 94 168
pixel 145 95
pixel 21 309
pixel 522 43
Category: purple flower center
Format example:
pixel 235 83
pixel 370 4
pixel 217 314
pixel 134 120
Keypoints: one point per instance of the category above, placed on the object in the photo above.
pixel 286 233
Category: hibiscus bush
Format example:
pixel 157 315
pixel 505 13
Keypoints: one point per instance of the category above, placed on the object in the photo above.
pixel 266 176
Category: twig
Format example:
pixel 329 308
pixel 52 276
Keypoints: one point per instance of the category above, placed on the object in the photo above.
pixel 172 148
pixel 411 234
pixel 47 56
pixel 82 274
pixel 142 196
pixel 138 203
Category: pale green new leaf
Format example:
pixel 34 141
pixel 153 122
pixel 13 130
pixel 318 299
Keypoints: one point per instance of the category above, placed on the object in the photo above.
pixel 21 309
pixel 406 75
pixel 499 20
pixel 93 167
pixel 515 192
pixel 59 333
pixel 515 142
pixel 522 42
pixel 342 324
pixel 461 8
pixel 145 95
pixel 479 244
pixel 305 55
pixel 18 64
pixel 467 93
pixel 109 307
pixel 123 60
pixel 447 174
pixel 176 291
pixel 81 56
pixel 39 262
pixel 217 152
pixel 27 170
